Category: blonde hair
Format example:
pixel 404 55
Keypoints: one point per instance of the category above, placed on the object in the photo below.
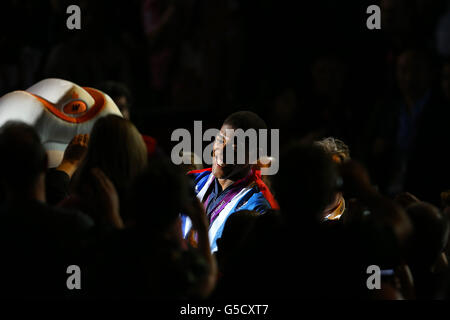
pixel 335 147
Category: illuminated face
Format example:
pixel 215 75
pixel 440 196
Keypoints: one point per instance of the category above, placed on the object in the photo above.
pixel 223 142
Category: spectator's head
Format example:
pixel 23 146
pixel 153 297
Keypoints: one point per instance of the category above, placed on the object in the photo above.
pixel 445 79
pixel 329 76
pixel 157 196
pixel 120 94
pixel 430 234
pixel 306 182
pixel 397 16
pixel 339 153
pixel 235 232
pixel 224 168
pixel 414 73
pixel 336 148
pixel 118 149
pixel 24 160
pixel 285 105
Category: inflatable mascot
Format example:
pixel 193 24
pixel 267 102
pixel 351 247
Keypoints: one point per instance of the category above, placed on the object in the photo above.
pixel 59 110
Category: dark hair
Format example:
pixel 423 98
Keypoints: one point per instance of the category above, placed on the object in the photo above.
pixel 157 195
pixel 118 149
pixel 424 57
pixel 236 229
pixel 306 182
pixel 115 90
pixel 430 234
pixel 245 120
pixel 235 236
pixel 23 156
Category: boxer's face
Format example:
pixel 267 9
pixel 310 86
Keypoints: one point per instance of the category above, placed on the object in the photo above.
pixel 223 142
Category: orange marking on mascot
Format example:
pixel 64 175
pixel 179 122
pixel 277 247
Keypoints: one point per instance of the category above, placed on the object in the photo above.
pixel 72 108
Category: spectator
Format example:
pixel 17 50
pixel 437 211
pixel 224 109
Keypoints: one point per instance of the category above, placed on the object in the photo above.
pixel 122 97
pixel 149 259
pixel 33 235
pixel 57 179
pixel 401 156
pixel 325 109
pixel 235 233
pixel 426 250
pixel 120 94
pixel 339 152
pixel 115 147
pixel 325 260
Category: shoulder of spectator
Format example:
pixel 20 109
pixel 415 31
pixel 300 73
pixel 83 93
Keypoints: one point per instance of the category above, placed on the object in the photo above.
pixel 78 219
pixel 54 175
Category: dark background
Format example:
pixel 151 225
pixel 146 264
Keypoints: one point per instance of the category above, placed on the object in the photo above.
pixel 310 68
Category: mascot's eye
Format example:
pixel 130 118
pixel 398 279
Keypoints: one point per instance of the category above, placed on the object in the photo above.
pixel 75 107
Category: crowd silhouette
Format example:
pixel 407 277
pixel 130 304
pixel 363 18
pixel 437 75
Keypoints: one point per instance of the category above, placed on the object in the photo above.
pixel 363 176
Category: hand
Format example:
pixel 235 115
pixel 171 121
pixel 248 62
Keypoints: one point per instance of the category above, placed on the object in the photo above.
pixel 74 153
pixel 406 281
pixel 196 213
pixel 107 199
pixel 77 148
pixel 405 199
